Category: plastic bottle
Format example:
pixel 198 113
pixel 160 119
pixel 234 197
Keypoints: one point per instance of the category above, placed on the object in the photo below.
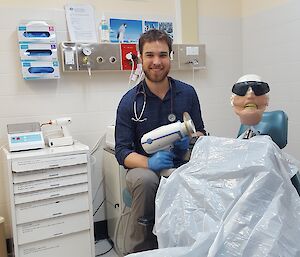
pixel 104 30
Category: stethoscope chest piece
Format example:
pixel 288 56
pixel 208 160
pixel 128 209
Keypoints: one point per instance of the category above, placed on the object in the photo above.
pixel 138 118
pixel 171 117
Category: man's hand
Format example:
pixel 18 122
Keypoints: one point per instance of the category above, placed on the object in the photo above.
pixel 161 160
pixel 181 146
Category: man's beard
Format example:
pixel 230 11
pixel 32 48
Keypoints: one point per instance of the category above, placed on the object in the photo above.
pixel 158 78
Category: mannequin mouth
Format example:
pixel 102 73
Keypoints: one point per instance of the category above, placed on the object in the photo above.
pixel 250 106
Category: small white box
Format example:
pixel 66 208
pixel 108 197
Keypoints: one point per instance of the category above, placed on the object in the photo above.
pixel 36 31
pixel 31 51
pixel 32 70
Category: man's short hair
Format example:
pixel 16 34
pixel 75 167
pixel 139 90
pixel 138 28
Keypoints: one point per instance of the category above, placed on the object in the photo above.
pixel 154 35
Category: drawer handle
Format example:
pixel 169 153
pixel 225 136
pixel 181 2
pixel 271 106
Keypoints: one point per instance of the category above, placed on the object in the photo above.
pixel 55 185
pixel 53 165
pixel 58 234
pixel 55 214
pixel 53 175
pixel 58 194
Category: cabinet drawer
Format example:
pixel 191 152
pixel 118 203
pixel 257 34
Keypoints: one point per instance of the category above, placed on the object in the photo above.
pixel 50 193
pixel 40 230
pixel 49 183
pixel 50 208
pixel 75 245
pixel 19 177
pixel 48 163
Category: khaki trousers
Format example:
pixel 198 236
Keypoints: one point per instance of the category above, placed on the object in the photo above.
pixel 142 184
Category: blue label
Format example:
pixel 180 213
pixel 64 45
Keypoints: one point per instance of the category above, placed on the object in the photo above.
pixel 26 139
pixel 22 28
pixel 26 64
pixel 104 27
pixel 24 46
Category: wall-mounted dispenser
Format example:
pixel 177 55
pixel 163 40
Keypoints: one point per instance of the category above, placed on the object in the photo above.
pixel 38 50
pixel 191 56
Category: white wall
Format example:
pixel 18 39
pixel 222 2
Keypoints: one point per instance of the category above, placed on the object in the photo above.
pixel 271 49
pixel 220 29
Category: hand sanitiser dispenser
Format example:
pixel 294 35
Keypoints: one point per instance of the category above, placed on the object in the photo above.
pixel 25 136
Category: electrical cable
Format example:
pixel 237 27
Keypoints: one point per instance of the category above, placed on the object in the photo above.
pixel 132 70
pixel 98 143
pixel 141 77
pixel 111 244
pixel 101 182
pixel 99 207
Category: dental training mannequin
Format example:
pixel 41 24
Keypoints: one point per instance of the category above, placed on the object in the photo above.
pixel 194 221
pixel 250 99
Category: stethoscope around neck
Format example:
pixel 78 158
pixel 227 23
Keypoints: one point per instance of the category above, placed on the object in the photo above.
pixel 142 91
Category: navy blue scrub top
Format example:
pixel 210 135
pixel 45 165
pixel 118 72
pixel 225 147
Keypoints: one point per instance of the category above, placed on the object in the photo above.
pixel 128 133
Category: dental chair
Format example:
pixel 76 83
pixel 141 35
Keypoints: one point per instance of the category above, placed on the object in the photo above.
pixel 274 124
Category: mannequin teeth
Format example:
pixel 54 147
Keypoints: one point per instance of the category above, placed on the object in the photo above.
pixel 250 106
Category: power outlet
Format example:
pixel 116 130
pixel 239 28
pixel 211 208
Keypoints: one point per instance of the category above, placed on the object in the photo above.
pixel 127 51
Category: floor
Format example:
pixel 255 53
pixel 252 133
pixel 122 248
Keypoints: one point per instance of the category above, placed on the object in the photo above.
pixel 103 246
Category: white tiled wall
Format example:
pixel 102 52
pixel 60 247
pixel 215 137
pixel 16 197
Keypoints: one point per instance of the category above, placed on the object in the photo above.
pixel 271 49
pixel 222 37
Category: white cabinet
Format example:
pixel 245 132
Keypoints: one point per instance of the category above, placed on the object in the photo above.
pixel 51 203
pixel 114 179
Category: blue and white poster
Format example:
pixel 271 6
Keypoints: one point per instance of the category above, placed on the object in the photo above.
pixel 125 31
pixel 150 25
pixel 167 27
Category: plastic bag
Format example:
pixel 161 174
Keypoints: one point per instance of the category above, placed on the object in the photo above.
pixel 233 198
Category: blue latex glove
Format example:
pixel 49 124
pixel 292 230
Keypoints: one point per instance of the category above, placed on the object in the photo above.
pixel 181 146
pixel 161 160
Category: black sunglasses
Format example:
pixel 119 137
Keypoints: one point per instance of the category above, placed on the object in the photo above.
pixel 259 88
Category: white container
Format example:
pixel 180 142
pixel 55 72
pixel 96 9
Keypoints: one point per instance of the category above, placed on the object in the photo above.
pixel 104 30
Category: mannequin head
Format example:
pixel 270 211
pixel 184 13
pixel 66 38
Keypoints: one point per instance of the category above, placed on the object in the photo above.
pixel 250 99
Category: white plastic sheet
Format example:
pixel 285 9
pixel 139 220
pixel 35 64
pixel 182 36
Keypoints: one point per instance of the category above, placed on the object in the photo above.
pixel 233 198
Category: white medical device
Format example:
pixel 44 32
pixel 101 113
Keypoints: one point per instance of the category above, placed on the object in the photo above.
pixel 163 137
pixel 110 137
pixel 25 136
pixel 66 138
